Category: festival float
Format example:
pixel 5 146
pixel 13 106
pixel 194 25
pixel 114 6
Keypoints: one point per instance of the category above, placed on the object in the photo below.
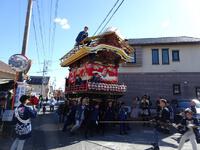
pixel 93 67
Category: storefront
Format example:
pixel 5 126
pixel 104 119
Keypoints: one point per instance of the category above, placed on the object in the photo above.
pixel 7 87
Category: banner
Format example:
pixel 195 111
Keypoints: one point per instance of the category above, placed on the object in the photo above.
pixel 107 73
pixel 21 90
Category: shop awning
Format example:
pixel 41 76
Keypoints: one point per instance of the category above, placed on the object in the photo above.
pixel 6 72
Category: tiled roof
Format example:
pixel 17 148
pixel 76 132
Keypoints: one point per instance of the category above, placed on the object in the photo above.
pixel 37 80
pixel 163 40
pixel 6 68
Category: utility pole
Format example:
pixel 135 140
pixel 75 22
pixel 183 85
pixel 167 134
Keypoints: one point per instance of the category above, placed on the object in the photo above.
pixel 26 33
pixel 27 27
pixel 44 71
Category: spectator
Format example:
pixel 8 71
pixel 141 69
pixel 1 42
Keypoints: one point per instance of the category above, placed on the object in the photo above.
pixel 70 115
pixel 79 116
pixel 123 117
pixel 23 115
pixel 144 106
pixel 135 107
pixel 60 112
pixel 193 106
pixel 44 109
pixel 95 118
pixel 52 103
pixel 163 117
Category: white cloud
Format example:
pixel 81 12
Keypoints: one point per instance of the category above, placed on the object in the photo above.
pixel 165 23
pixel 63 22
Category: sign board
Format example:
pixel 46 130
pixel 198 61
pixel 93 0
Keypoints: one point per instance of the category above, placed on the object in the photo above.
pixel 19 62
pixel 21 90
pixel 8 115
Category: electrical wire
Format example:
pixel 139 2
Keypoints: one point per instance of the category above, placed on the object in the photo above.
pixel 54 29
pixel 43 22
pixel 19 23
pixel 111 16
pixel 36 40
pixel 106 17
pixel 50 20
pixel 40 27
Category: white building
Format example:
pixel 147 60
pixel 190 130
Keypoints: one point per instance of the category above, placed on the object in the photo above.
pixel 167 67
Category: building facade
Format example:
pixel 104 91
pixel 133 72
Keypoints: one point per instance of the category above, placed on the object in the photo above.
pixel 168 67
pixel 39 85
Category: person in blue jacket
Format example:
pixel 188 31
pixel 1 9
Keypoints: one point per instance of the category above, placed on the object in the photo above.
pixel 22 115
pixel 79 116
pixel 123 117
pixel 81 36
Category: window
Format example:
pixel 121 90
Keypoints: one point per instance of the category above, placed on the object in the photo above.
pixel 155 56
pixel 165 56
pixel 175 55
pixel 198 92
pixel 176 89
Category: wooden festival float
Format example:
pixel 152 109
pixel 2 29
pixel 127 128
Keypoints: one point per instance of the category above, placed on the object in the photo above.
pixel 93 67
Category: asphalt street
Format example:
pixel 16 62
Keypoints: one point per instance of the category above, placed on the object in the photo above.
pixel 47 135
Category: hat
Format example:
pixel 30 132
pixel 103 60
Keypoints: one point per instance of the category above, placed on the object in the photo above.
pixel 23 98
pixel 164 101
pixel 188 110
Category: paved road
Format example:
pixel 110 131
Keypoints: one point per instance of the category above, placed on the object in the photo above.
pixel 47 135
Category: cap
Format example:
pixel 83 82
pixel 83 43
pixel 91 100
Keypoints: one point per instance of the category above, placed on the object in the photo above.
pixel 23 98
pixel 188 110
pixel 164 101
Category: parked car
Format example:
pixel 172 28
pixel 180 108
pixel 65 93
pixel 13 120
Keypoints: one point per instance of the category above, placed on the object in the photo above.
pixel 182 104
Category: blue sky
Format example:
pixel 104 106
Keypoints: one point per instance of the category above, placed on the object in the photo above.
pixel 134 19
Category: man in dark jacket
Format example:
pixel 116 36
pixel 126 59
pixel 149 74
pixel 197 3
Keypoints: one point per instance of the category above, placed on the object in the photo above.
pixel 123 117
pixel 162 121
pixel 81 36
pixel 70 116
pixel 79 116
pixel 23 115
pixel 163 117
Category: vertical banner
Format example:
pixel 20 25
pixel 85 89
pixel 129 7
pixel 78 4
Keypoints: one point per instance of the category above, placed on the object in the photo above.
pixel 21 90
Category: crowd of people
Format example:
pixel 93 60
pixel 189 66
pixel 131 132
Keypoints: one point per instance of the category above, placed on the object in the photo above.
pixel 98 117
pixel 89 114
pixel 95 117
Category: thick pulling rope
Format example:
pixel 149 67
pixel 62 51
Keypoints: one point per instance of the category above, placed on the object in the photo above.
pixel 141 122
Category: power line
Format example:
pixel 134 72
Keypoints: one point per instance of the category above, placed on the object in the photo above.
pixel 40 27
pixel 106 17
pixel 111 16
pixel 36 40
pixel 19 23
pixel 50 20
pixel 54 27
pixel 43 23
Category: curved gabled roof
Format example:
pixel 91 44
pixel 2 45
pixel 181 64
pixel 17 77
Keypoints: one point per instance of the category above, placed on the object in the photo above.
pixel 107 41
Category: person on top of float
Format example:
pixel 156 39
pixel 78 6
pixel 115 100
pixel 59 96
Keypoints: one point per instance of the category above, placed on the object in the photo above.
pixel 81 36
